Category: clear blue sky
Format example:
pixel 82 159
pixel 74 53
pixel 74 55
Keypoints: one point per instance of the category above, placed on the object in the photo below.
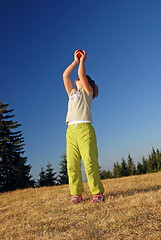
pixel 123 42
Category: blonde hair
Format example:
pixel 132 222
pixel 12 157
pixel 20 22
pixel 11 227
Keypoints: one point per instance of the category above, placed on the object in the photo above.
pixel 93 85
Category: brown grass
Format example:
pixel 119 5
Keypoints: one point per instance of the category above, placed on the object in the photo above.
pixel 132 210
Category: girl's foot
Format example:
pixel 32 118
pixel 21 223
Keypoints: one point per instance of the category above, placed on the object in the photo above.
pixel 97 198
pixel 76 199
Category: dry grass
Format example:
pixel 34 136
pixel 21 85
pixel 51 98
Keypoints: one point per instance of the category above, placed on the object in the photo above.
pixel 132 210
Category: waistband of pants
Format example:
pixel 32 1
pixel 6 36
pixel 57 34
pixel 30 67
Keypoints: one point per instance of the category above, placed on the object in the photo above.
pixel 79 124
pixel 81 121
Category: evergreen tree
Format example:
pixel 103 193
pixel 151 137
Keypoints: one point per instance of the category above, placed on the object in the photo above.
pixel 152 162
pixel 50 176
pixel 158 156
pixel 14 173
pixel 47 177
pixel 116 170
pixel 139 169
pixel 42 179
pixel 63 175
pixel 144 165
pixel 106 174
pixel 130 166
pixel 124 170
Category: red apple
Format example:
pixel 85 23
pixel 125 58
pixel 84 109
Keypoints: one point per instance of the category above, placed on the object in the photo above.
pixel 78 52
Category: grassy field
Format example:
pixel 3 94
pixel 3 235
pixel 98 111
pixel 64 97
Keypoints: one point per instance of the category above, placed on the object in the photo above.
pixel 132 210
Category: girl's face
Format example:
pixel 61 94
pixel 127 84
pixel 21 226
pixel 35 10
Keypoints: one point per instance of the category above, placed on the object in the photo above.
pixel 78 83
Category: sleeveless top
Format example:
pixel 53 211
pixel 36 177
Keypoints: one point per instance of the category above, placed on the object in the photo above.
pixel 79 106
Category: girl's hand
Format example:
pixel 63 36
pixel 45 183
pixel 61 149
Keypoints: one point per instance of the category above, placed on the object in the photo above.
pixel 76 59
pixel 83 57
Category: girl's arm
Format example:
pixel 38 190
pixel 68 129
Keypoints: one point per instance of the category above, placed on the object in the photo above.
pixel 82 74
pixel 66 75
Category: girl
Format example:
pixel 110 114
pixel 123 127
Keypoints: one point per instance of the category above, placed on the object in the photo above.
pixel 80 137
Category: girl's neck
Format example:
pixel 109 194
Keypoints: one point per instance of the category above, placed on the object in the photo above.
pixel 77 89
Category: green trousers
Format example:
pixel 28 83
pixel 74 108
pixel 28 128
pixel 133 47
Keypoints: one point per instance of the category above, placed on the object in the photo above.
pixel 81 144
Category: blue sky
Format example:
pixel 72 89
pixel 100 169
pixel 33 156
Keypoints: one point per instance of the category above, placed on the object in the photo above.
pixel 123 43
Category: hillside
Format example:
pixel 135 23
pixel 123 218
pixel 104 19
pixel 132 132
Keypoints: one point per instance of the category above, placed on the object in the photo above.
pixel 132 210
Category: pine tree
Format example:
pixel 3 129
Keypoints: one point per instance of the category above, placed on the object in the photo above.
pixel 158 156
pixel 116 170
pixel 50 176
pixel 130 166
pixel 14 173
pixel 106 174
pixel 42 178
pixel 144 165
pixel 124 170
pixel 152 162
pixel 139 169
pixel 63 176
pixel 47 176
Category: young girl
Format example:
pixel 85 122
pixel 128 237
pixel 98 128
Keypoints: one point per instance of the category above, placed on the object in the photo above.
pixel 80 137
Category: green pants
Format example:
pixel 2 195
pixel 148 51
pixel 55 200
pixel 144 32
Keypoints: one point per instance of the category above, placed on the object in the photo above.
pixel 82 144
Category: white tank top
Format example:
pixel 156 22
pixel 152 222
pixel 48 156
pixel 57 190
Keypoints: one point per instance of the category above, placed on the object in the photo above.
pixel 79 106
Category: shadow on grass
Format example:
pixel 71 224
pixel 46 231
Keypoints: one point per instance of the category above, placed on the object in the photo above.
pixel 133 191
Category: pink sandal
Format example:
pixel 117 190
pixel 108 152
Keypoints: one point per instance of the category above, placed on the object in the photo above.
pixel 75 199
pixel 97 198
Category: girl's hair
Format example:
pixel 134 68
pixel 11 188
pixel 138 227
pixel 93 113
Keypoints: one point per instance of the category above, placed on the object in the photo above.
pixel 93 85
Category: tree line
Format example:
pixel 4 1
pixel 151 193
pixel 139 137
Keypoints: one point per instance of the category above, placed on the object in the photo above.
pixel 127 167
pixel 15 172
pixel 48 177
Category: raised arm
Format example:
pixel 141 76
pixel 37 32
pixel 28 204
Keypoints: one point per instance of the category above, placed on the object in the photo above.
pixel 82 74
pixel 66 75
